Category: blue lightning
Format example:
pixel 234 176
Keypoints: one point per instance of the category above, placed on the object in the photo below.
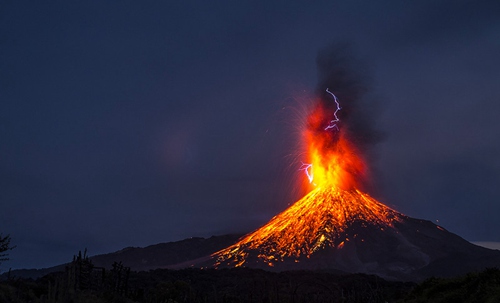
pixel 307 168
pixel 333 123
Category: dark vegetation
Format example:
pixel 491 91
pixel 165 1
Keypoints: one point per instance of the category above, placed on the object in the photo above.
pixel 479 287
pixel 82 281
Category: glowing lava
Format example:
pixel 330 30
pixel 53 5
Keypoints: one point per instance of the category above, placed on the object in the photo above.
pixel 317 220
pixel 335 162
pixel 320 219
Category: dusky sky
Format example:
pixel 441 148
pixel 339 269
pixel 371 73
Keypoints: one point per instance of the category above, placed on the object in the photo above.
pixel 138 122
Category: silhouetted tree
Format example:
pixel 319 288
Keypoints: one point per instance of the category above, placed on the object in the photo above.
pixel 5 247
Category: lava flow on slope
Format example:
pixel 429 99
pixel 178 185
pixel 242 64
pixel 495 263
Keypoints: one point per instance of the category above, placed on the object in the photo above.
pixel 320 219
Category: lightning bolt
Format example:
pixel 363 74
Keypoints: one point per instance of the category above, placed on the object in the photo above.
pixel 306 167
pixel 333 123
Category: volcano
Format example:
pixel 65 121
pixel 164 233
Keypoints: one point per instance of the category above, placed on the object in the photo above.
pixel 349 231
pixel 337 226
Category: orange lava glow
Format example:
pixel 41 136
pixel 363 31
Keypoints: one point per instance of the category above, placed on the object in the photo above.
pixel 335 161
pixel 321 217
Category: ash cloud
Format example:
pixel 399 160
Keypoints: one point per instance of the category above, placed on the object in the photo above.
pixel 344 75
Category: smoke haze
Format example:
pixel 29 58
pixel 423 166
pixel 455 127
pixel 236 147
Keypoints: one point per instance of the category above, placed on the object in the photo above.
pixel 341 73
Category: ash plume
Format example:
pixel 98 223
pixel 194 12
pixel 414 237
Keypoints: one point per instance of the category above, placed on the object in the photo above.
pixel 345 76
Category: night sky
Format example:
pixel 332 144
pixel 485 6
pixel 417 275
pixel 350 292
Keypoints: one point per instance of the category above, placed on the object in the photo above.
pixel 132 123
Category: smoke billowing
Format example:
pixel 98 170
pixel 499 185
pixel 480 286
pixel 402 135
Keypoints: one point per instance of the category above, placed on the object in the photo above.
pixel 342 74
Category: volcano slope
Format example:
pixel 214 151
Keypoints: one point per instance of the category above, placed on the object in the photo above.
pixel 349 231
